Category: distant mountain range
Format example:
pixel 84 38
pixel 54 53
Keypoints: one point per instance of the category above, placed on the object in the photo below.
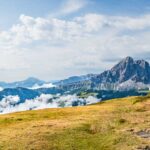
pixel 28 83
pixel 127 74
pixel 74 79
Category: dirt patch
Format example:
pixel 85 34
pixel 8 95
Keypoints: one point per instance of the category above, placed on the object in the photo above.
pixel 144 148
pixel 143 133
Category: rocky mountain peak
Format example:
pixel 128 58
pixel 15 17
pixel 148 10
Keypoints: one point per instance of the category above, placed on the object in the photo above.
pixel 124 63
pixel 142 63
pixel 128 59
pixel 126 69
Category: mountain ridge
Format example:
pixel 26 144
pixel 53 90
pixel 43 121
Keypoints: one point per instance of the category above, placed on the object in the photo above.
pixel 29 82
pixel 125 74
pixel 128 72
pixel 127 69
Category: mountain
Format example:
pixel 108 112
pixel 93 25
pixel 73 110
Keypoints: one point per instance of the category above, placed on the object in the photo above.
pixel 23 93
pixel 127 74
pixel 28 83
pixel 74 79
pixel 127 69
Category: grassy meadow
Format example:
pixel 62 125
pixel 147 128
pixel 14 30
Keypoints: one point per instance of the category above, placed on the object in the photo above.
pixel 109 125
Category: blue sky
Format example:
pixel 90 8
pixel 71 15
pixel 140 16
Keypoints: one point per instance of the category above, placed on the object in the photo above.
pixel 10 10
pixel 54 39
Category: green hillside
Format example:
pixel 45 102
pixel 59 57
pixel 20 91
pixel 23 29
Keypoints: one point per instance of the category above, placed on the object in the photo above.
pixel 121 124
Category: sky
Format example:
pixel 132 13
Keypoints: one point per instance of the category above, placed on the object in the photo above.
pixel 55 39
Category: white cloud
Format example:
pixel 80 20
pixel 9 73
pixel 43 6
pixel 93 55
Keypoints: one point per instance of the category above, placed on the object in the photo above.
pixel 69 7
pixel 72 6
pixel 45 85
pixel 53 48
pixel 12 103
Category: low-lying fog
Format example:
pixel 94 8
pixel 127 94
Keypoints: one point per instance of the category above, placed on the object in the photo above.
pixel 12 103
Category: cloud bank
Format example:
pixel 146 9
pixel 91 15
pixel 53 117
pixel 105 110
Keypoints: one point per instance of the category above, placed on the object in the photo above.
pixel 53 48
pixel 45 85
pixel 11 104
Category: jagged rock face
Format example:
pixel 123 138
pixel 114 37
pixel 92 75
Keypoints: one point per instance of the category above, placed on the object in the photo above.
pixel 142 72
pixel 126 74
pixel 127 69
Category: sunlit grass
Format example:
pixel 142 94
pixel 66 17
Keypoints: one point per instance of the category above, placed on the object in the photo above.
pixel 103 126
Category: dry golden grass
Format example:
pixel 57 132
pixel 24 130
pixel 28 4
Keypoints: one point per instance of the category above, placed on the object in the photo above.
pixel 104 126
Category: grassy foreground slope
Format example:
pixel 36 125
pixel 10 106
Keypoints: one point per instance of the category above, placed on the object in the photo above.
pixel 110 125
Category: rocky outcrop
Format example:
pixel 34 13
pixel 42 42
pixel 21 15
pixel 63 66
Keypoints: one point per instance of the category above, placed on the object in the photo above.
pixel 127 69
